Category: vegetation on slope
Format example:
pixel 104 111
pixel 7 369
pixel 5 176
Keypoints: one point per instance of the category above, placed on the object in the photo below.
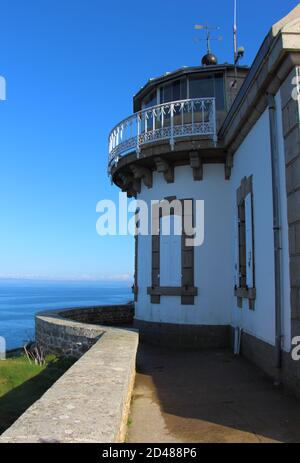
pixel 22 383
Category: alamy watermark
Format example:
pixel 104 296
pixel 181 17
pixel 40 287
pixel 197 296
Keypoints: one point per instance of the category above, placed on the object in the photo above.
pixel 2 348
pixel 296 349
pixel 140 218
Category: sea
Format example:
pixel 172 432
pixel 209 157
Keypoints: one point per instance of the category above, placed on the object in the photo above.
pixel 20 300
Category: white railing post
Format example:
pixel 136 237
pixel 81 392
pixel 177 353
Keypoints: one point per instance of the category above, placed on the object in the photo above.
pixel 138 134
pixel 172 141
pixel 214 117
pixel 192 105
pixel 117 139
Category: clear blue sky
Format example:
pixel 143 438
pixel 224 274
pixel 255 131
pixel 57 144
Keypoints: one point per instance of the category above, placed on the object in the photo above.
pixel 72 67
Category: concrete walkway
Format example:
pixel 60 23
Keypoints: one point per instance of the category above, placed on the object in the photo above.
pixel 186 397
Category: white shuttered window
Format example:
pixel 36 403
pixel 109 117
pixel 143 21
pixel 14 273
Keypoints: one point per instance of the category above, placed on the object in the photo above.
pixel 170 253
pixel 249 241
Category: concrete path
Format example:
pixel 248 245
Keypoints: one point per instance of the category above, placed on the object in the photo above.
pixel 191 397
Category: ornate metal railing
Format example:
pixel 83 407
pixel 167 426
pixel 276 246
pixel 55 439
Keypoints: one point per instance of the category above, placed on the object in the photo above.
pixel 166 121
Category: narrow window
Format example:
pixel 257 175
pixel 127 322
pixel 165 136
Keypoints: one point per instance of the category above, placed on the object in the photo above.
pixel 150 100
pixel 242 244
pixel 207 87
pixel 174 91
pixel 249 241
pixel 245 271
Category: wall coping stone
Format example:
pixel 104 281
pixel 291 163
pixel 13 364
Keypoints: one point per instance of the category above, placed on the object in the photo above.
pixel 90 402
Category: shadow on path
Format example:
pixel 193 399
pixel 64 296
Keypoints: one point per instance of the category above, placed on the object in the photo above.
pixel 208 396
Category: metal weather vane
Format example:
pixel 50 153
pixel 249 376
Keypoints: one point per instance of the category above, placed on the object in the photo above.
pixel 208 35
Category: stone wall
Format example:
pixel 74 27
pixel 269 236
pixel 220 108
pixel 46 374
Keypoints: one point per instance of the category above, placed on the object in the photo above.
pixel 90 402
pixel 291 133
pixel 113 315
pixel 73 332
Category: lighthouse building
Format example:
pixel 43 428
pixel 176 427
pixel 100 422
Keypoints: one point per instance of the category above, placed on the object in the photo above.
pixel 226 137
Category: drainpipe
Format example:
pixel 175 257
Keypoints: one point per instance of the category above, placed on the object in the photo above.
pixel 276 229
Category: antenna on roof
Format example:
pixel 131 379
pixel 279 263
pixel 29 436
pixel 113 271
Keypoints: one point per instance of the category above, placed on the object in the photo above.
pixel 238 52
pixel 235 32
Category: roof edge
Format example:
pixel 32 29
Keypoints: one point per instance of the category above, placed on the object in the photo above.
pixel 269 45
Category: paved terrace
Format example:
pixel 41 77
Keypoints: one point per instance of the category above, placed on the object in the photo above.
pixel 210 396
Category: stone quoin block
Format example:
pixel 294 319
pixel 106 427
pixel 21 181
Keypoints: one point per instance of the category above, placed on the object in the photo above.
pixel 290 117
pixel 297 238
pixel 293 175
pixel 295 304
pixel 294 207
pixel 292 144
pixel 295 271
pixel 287 88
pixel 292 239
pixel 296 173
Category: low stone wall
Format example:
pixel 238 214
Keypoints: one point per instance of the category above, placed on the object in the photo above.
pixel 113 315
pixel 72 332
pixel 90 402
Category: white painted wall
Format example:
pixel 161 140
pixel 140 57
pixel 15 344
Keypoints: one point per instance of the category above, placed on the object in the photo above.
pixel 215 259
pixel 212 260
pixel 254 158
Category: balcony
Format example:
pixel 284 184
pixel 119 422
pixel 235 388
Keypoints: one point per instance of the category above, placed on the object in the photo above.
pixel 169 121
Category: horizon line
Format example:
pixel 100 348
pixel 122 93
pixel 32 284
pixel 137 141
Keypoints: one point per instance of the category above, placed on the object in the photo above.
pixel 70 279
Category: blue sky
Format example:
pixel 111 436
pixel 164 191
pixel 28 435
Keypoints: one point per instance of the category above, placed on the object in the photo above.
pixel 72 67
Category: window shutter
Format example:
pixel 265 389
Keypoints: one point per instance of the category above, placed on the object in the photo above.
pixel 170 255
pixel 249 241
pixel 236 252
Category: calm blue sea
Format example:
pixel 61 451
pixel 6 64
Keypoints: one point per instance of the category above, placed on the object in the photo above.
pixel 20 300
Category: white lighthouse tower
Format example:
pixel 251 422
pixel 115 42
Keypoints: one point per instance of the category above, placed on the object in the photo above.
pixel 169 149
pixel 228 137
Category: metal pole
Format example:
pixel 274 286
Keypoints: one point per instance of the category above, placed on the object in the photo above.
pixel 235 31
pixel 277 231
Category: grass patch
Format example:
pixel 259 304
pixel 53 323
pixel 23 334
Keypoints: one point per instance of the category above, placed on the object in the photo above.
pixel 129 422
pixel 22 383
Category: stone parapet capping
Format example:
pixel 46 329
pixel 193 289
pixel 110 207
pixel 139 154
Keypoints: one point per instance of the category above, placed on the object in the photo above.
pixel 90 402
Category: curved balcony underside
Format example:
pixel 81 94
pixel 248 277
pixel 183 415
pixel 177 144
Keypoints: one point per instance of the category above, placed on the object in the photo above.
pixel 170 121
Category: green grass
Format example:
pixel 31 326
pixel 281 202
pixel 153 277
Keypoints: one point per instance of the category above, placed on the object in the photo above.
pixel 22 383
